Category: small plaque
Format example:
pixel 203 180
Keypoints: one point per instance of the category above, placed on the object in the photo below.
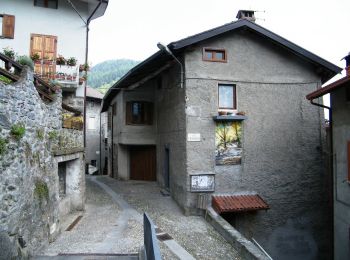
pixel 194 137
pixel 203 183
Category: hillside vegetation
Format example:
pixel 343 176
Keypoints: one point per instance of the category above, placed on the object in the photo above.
pixel 103 75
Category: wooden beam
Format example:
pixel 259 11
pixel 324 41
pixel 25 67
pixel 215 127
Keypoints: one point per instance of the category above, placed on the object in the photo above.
pixel 8 75
pixel 70 109
pixel 149 77
pixel 20 67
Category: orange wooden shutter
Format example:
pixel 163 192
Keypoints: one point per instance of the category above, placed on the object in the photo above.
pixel 8 26
pixel 148 113
pixel 50 46
pixel 46 47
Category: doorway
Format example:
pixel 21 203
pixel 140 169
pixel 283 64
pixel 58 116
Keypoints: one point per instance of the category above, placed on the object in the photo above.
pixel 167 168
pixel 143 163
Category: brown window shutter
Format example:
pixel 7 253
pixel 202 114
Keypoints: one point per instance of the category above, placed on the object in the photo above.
pixel 8 26
pixel 348 160
pixel 128 113
pixel 148 113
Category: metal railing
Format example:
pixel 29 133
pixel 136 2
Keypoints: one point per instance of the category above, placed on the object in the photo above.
pixel 152 251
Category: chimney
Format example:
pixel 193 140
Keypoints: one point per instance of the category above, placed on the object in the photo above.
pixel 246 14
pixel 347 66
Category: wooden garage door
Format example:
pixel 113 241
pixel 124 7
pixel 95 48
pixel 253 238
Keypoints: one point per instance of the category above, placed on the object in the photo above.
pixel 143 163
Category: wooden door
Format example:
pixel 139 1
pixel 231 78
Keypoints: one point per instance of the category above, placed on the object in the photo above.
pixel 46 47
pixel 143 163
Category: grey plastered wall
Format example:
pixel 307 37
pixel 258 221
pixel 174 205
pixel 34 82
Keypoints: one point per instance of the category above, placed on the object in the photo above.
pixel 171 134
pixel 282 141
pixel 93 107
pixel 341 135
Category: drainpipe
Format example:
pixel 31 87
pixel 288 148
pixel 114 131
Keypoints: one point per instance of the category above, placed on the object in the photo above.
pixel 331 169
pixel 87 24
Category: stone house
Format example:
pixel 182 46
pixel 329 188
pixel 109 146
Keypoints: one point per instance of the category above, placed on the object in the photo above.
pixel 340 153
pixel 223 112
pixel 41 139
pixel 93 123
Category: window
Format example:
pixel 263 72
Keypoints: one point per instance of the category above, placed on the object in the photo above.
pixel 7 23
pixel 139 113
pixel 92 123
pixel 227 96
pixel 46 3
pixel 210 54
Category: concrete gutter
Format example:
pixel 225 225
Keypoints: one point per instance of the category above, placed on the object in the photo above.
pixel 245 248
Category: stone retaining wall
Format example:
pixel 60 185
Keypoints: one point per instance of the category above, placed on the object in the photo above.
pixel 29 131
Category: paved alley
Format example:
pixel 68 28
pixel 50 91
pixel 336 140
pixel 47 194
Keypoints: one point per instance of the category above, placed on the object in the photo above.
pixel 112 224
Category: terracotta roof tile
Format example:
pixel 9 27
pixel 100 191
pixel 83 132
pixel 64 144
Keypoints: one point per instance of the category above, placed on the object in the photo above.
pixel 238 203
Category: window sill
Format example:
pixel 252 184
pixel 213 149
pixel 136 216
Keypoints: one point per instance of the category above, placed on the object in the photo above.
pixel 229 118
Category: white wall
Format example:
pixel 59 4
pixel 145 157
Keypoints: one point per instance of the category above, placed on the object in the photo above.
pixel 62 22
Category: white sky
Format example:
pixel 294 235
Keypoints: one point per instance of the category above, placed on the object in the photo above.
pixel 132 28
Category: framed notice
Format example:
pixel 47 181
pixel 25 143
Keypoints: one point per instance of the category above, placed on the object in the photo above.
pixel 203 183
pixel 193 137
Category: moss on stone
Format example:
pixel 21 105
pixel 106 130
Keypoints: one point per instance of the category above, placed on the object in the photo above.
pixel 53 135
pixel 40 134
pixel 18 131
pixel 41 190
pixel 3 145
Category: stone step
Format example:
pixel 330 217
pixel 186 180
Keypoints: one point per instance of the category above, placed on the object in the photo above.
pixel 88 257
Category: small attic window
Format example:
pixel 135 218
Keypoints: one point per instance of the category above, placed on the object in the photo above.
pixel 46 3
pixel 212 54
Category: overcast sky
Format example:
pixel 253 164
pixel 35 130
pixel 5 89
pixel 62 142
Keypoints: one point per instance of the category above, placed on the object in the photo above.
pixel 131 28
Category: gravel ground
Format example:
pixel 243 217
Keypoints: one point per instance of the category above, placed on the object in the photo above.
pixel 99 231
pixel 193 233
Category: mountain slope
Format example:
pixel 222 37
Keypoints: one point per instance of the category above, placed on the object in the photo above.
pixel 103 75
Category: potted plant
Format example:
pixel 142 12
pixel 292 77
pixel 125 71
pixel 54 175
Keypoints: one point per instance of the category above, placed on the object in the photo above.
pixel 60 60
pixel 84 67
pixel 72 61
pixel 81 81
pixel 9 52
pixel 47 60
pixel 35 57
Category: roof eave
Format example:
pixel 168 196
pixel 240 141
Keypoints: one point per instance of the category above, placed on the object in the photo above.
pixel 115 87
pixel 329 88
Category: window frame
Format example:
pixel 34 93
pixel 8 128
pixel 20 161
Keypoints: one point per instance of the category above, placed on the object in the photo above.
pixel 234 98
pixel 46 4
pixel 214 51
pixel 146 117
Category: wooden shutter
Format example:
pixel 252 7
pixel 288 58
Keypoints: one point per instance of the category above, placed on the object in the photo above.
pixel 348 160
pixel 46 47
pixel 148 117
pixel 8 26
pixel 128 113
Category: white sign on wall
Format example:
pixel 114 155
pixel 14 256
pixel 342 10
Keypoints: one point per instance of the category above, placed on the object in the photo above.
pixel 194 137
pixel 202 183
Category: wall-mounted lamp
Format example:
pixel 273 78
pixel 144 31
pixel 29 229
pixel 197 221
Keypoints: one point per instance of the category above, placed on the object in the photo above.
pixel 165 48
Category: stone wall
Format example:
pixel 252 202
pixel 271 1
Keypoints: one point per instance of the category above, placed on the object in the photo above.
pixel 29 132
